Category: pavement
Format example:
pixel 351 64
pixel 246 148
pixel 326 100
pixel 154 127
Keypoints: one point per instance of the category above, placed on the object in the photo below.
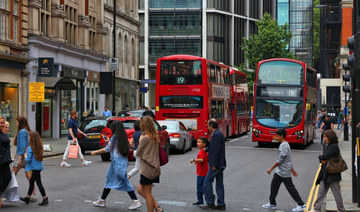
pixel 346 183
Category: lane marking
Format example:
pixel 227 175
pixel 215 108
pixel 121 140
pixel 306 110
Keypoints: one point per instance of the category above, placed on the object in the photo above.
pixel 271 149
pixel 173 203
pixel 119 203
pixel 88 201
pixel 58 200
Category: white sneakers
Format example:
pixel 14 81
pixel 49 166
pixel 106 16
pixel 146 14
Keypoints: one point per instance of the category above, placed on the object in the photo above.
pixel 65 164
pixel 299 208
pixel 269 206
pixel 135 205
pixel 99 203
pixel 68 165
pixel 86 162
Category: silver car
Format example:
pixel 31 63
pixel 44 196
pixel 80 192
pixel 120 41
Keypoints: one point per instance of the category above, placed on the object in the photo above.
pixel 180 138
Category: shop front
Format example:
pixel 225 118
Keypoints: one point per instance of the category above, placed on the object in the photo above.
pixel 11 92
pixel 127 94
pixel 92 93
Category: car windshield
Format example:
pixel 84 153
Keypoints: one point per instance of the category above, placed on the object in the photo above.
pixel 170 125
pixel 278 113
pixel 129 124
pixel 87 125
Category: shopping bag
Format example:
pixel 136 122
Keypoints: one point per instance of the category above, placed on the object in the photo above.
pixel 164 159
pixel 11 193
pixel 73 151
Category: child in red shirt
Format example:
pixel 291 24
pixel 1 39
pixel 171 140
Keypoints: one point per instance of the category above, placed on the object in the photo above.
pixel 202 168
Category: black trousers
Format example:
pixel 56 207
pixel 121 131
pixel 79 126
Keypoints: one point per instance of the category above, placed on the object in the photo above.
pixel 275 185
pixel 36 177
pixel 106 192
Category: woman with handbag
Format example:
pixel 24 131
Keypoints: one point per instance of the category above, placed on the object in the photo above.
pixel 116 177
pixel 329 180
pixel 5 160
pixel 148 154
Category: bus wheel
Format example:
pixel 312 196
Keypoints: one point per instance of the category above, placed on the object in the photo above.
pixel 260 144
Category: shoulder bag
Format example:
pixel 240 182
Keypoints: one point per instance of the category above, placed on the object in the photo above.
pixel 336 165
pixel 164 159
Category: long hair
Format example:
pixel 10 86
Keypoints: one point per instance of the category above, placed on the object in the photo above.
pixel 331 135
pixel 148 128
pixel 23 124
pixel 120 138
pixel 1 118
pixel 36 145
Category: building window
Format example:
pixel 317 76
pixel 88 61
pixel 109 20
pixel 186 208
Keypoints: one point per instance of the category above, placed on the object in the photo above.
pixel 4 4
pixel 16 7
pixel 71 25
pixel 3 27
pixel 16 33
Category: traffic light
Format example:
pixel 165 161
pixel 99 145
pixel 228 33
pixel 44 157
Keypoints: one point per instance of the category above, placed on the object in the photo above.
pixel 346 78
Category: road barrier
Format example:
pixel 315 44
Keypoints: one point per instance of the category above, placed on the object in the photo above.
pixel 314 191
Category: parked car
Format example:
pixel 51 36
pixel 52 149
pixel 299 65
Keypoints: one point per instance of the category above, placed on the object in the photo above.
pixel 129 123
pixel 138 113
pixel 180 138
pixel 92 126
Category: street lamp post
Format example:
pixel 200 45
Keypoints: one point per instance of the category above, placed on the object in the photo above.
pixel 114 56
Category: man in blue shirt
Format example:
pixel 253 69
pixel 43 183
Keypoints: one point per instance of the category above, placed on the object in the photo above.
pixel 72 140
pixel 217 164
pixel 107 112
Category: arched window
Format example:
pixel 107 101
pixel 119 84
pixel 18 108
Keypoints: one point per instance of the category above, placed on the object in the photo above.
pixel 126 52
pixel 119 49
pixel 133 52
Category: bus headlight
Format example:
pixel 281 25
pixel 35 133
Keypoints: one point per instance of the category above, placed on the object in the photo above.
pixel 299 134
pixel 256 132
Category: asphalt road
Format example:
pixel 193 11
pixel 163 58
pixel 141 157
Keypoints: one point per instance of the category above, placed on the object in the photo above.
pixel 247 186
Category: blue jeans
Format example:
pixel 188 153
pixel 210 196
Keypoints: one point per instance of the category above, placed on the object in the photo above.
pixel 200 188
pixel 208 187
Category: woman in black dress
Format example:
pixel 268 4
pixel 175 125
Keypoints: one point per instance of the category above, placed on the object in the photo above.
pixel 5 160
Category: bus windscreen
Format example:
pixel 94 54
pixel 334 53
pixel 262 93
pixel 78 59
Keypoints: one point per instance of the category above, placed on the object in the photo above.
pixel 186 72
pixel 281 73
pixel 278 113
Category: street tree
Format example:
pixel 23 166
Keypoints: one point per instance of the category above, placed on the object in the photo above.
pixel 271 41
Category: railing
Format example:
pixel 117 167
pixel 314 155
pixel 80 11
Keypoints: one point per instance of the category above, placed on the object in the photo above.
pixel 314 191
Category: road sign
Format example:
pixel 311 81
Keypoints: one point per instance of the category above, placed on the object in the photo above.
pixel 36 91
pixel 144 90
pixel 148 81
pixel 114 64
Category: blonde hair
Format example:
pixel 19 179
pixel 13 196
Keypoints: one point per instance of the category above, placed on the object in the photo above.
pixel 148 128
pixel 7 123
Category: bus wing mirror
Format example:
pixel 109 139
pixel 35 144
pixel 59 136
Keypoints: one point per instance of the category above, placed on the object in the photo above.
pixel 163 127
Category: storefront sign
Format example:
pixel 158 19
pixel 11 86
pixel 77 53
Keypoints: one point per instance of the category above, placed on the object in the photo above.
pixel 73 73
pixel 144 90
pixel 93 76
pixel 148 81
pixel 36 92
pixel 46 67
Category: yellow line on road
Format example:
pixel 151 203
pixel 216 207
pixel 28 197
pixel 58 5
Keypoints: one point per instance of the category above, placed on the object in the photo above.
pixel 310 198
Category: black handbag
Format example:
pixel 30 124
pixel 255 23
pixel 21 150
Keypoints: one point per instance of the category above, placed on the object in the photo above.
pixel 336 165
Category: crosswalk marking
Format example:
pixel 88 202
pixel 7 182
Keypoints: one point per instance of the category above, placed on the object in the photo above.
pixel 173 203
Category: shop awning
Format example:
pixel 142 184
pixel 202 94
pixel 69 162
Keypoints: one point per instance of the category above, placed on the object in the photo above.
pixel 65 84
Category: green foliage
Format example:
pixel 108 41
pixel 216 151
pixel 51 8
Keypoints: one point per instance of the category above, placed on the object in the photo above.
pixel 271 41
pixel 316 34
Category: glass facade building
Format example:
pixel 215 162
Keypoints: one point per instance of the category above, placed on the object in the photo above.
pixel 213 29
pixel 298 15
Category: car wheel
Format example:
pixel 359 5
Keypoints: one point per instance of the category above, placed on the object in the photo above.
pixel 183 149
pixel 167 147
pixel 190 145
pixel 193 142
pixel 105 157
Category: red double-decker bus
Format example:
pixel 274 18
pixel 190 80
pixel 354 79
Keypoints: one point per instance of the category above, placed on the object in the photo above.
pixel 239 102
pixel 285 95
pixel 193 90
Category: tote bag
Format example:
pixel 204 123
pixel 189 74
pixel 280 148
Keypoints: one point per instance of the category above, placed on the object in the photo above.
pixel 73 151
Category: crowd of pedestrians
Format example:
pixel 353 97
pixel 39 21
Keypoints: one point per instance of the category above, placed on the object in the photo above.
pixel 210 164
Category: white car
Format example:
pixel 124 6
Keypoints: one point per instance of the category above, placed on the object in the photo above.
pixel 180 138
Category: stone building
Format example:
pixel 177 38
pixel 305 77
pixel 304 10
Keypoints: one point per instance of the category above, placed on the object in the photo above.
pixel 127 51
pixel 13 58
pixel 72 34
